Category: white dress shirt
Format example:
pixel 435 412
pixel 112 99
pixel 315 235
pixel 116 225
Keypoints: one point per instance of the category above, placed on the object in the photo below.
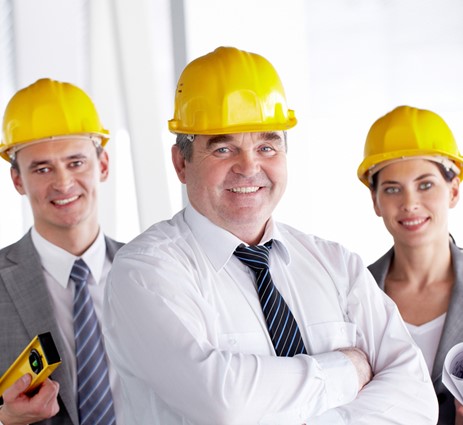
pixel 185 330
pixel 57 264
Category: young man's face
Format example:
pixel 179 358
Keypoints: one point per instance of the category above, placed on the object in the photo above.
pixel 236 180
pixel 61 180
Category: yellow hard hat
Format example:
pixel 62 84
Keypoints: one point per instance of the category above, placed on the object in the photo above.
pixel 408 132
pixel 230 91
pixel 48 110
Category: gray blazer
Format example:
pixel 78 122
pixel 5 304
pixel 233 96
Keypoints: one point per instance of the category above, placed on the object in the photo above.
pixel 26 311
pixel 452 332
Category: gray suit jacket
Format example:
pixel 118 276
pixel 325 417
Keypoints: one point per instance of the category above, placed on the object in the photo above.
pixel 452 332
pixel 26 311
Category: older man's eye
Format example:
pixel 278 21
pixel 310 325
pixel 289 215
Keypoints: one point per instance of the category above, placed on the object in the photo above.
pixel 42 170
pixel 75 164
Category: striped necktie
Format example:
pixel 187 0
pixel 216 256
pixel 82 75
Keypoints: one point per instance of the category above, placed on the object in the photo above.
pixel 281 323
pixel 95 403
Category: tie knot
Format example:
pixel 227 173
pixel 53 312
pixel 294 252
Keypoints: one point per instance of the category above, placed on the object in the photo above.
pixel 254 256
pixel 80 272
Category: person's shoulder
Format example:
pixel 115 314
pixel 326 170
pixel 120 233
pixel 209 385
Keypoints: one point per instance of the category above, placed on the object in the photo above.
pixel 312 241
pixel 382 262
pixel 113 242
pixel 22 248
pixel 380 267
pixel 455 247
pixel 457 253
pixel 157 238
pixel 112 246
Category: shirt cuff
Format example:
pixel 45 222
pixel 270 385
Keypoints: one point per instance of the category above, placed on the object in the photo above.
pixel 340 376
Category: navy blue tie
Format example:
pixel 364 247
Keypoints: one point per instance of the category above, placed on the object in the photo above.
pixel 281 323
pixel 95 403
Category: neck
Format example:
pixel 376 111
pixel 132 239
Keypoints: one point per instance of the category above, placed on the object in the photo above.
pixel 422 264
pixel 74 240
pixel 249 236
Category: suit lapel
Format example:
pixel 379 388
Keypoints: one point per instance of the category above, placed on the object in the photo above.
pixel 25 282
pixel 380 268
pixel 453 330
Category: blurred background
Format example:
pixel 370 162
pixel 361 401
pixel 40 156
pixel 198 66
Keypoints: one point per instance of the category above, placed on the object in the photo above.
pixel 344 63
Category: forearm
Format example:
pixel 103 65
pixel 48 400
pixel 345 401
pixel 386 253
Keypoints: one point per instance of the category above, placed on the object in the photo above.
pixel 182 365
pixel 401 390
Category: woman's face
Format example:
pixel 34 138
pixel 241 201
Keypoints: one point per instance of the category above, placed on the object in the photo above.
pixel 413 198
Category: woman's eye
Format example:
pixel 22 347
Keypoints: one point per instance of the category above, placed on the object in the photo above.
pixel 391 190
pixel 425 185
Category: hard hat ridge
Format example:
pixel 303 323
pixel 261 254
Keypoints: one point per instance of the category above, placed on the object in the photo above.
pixel 230 91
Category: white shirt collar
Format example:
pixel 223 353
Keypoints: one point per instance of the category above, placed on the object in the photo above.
pixel 219 244
pixel 58 262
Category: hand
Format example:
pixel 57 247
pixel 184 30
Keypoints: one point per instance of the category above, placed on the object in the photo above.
pixel 458 413
pixel 21 409
pixel 361 363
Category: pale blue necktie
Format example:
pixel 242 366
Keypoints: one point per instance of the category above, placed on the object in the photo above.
pixel 95 403
pixel 281 323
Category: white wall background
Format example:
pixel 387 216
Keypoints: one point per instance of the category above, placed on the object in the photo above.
pixel 344 63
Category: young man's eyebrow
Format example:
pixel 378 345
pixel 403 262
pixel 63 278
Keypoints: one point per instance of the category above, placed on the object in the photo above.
pixel 35 164
pixel 42 162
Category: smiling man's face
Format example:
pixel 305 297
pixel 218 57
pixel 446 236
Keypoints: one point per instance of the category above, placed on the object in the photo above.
pixel 61 180
pixel 235 180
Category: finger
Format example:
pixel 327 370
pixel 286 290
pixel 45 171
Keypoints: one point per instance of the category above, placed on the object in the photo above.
pixel 50 396
pixel 20 385
pixel 49 391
